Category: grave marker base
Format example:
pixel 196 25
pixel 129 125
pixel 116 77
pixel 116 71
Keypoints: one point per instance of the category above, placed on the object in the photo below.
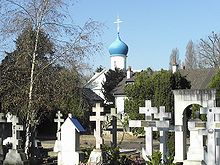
pixel 95 157
pixel 191 162
pixel 15 157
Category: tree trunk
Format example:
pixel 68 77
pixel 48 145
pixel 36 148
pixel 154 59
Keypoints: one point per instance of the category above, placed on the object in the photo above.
pixel 31 113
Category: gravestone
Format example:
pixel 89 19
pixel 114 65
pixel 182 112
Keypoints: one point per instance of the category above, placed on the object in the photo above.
pixel 212 128
pixel 195 154
pixel 148 125
pixel 15 155
pixel 163 126
pixel 57 145
pixel 59 120
pixel 112 118
pixel 70 141
pixel 96 155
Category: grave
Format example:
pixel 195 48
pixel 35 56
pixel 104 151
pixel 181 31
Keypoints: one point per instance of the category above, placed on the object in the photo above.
pixel 195 154
pixel 15 155
pixel 57 145
pixel 96 155
pixel 70 141
pixel 112 118
pixel 148 125
pixel 163 126
pixel 211 156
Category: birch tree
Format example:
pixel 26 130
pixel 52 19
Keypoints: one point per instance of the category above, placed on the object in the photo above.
pixel 209 51
pixel 72 43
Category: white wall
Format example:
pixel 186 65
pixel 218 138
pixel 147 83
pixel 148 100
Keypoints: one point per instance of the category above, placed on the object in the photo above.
pixel 118 62
pixel 119 103
pixel 95 83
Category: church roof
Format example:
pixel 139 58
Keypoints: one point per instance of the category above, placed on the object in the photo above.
pixel 91 96
pixel 119 89
pixel 95 77
pixel 199 79
pixel 118 47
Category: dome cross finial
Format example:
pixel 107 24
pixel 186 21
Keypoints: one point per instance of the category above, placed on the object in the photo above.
pixel 118 21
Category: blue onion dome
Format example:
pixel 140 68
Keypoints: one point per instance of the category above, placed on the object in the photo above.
pixel 118 47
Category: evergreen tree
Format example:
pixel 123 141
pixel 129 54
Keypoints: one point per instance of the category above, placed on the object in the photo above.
pixel 113 77
pixel 55 87
pixel 154 86
pixel 15 77
pixel 215 84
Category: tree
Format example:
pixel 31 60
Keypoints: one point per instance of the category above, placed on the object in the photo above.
pixel 99 69
pixel 154 86
pixel 215 84
pixel 209 51
pixel 190 56
pixel 15 73
pixel 72 43
pixel 57 88
pixel 112 78
pixel 174 58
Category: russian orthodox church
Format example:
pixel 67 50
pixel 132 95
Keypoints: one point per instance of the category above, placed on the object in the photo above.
pixel 118 50
pixel 118 56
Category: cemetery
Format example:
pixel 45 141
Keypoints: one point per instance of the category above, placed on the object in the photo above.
pixel 50 114
pixel 184 129
pixel 202 146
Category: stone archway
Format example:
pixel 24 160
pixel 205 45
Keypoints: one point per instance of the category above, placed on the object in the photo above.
pixel 182 99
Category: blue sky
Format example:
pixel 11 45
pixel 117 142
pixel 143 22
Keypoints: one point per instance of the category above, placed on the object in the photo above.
pixel 151 28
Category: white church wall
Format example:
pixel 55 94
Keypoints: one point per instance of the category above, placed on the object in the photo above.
pixel 95 83
pixel 118 62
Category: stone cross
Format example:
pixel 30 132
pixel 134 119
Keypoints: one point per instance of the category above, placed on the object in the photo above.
pixel 16 142
pixel 148 125
pixel 163 126
pixel 59 120
pixel 98 119
pixel 113 118
pixel 211 127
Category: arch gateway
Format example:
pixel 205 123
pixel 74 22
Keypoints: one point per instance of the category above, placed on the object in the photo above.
pixel 182 99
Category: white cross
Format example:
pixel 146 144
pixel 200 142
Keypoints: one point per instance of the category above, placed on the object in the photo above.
pixel 162 115
pixel 211 132
pixel 148 125
pixel 15 134
pixel 162 124
pixel 148 110
pixel 98 118
pixel 117 22
pixel 59 120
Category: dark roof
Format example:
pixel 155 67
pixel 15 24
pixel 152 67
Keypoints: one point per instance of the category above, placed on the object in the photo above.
pixel 91 96
pixel 119 89
pixel 199 79
pixel 77 124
